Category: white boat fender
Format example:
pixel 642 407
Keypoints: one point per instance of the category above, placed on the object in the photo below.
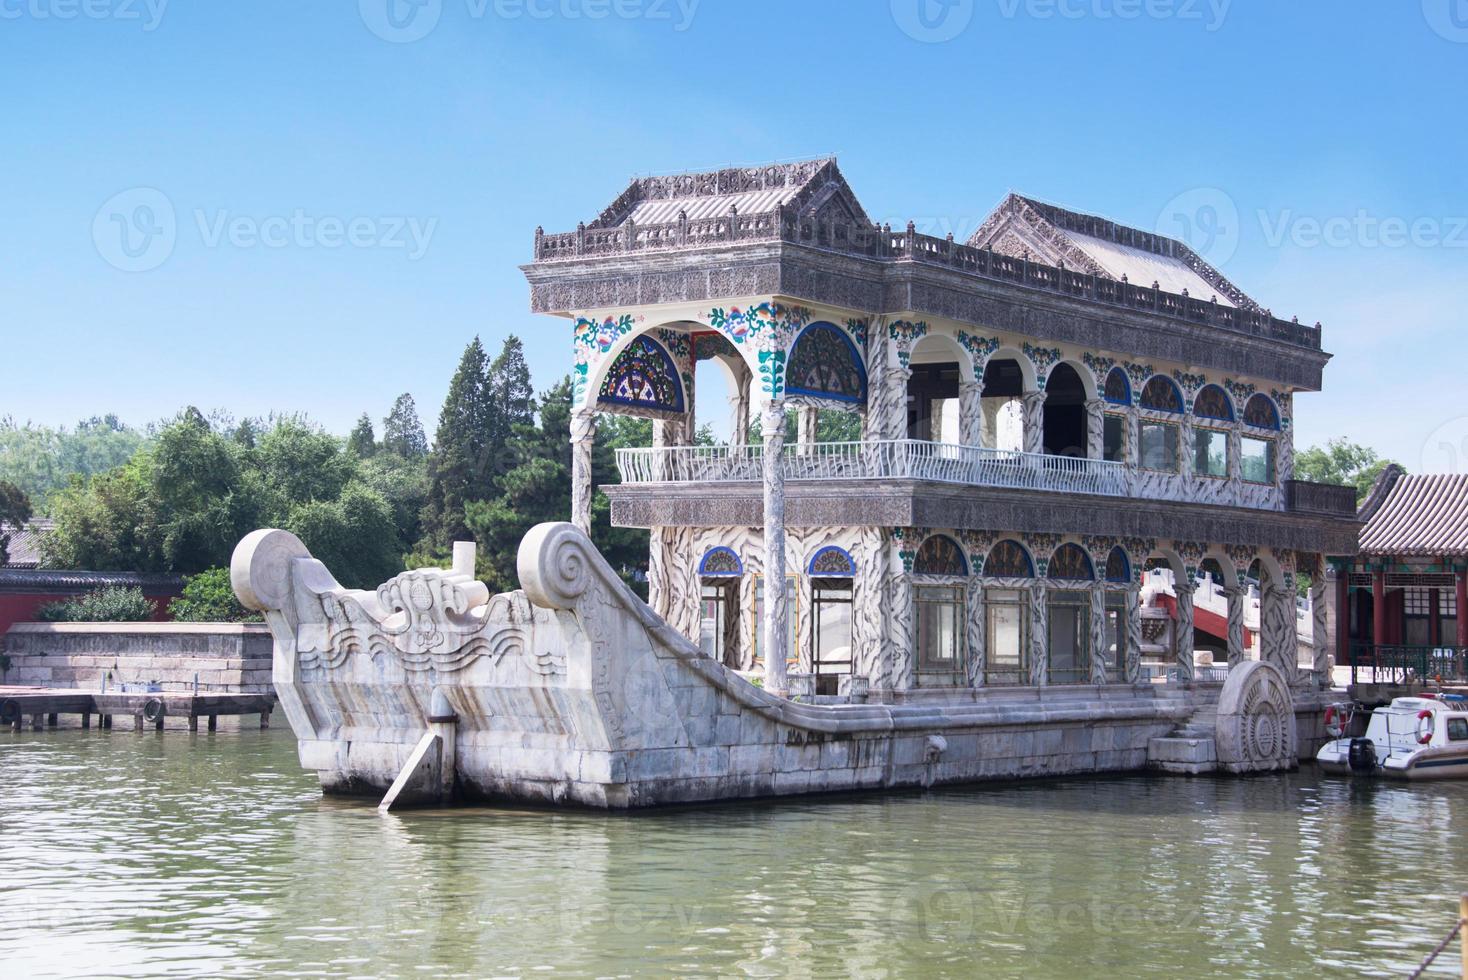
pixel 1424 732
pixel 1335 721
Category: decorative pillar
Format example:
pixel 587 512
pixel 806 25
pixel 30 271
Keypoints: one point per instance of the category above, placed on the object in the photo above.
pixel 1378 609
pixel 989 409
pixel 868 638
pixel 1319 633
pixel 1039 635
pixel 772 427
pixel 689 425
pixel 1098 634
pixel 807 419
pixel 1460 582
pixel 583 434
pixel 1186 447
pixel 1095 428
pixel 903 642
pixel 971 413
pixel 978 633
pixel 1278 642
pixel 1342 616
pixel 1184 633
pixel 1034 421
pixel 1237 595
pixel 1132 659
pixel 1235 457
pixel 1133 449
pixel 739 405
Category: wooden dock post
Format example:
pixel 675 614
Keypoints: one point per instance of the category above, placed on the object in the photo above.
pixel 86 720
pixel 138 722
pixel 265 717
pixel 1463 931
pixel 38 722
pixel 214 723
pixel 193 722
pixel 52 720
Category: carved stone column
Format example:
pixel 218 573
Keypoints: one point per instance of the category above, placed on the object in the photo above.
pixel 1184 633
pixel 989 409
pixel 1034 421
pixel 583 435
pixel 1095 428
pixel 891 420
pixel 1132 664
pixel 903 638
pixel 1278 642
pixel 772 426
pixel 1319 630
pixel 868 639
pixel 807 419
pixel 971 413
pixel 739 405
pixel 1186 448
pixel 978 633
pixel 1039 636
pixel 1284 460
pixel 1236 596
pixel 1099 664
pixel 1235 456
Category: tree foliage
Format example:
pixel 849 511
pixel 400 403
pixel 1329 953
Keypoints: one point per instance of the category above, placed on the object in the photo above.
pixel 1341 462
pixel 402 431
pixel 41 460
pixel 15 510
pixel 115 604
pixel 362 443
pixel 208 597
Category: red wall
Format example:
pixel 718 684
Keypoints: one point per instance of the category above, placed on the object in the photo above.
pixel 22 608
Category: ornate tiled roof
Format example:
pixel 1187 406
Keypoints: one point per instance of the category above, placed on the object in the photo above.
pixel 25 543
pixel 1425 514
pixel 44 580
pixel 1102 247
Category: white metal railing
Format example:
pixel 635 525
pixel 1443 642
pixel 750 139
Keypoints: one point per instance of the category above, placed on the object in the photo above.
pixel 914 459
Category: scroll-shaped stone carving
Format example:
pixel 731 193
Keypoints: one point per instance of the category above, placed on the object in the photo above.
pixel 1255 731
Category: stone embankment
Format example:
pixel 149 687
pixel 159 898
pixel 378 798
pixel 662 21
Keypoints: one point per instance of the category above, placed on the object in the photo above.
pixel 221 657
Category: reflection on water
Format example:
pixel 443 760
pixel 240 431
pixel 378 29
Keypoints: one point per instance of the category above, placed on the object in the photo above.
pixel 133 854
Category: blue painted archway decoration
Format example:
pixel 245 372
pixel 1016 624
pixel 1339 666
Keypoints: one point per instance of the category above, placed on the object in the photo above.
pixel 824 363
pixel 831 562
pixel 720 562
pixel 643 376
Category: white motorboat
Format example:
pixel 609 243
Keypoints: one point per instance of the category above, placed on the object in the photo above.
pixel 1423 737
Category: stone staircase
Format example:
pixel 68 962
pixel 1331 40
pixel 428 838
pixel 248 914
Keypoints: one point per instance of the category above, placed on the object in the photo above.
pixel 1189 749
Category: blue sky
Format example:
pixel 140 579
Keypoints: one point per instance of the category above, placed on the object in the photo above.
pixel 351 206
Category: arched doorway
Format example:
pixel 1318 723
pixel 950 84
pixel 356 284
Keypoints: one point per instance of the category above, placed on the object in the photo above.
pixel 1065 413
pixel 1004 388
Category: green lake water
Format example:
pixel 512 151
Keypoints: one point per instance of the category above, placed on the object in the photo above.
pixel 128 854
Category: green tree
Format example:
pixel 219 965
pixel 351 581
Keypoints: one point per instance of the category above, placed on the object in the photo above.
pixel 15 510
pixel 512 405
pixel 1341 462
pixel 208 597
pixel 458 464
pixel 353 536
pixel 41 461
pixel 115 604
pixel 362 443
pixel 402 431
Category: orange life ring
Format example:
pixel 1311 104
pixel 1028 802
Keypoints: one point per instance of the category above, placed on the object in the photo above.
pixel 1335 722
pixel 1423 737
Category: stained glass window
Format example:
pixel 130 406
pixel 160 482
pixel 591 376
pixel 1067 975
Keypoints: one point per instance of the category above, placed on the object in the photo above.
pixel 643 376
pixel 939 555
pixel 1008 559
pixel 832 562
pixel 1161 395
pixel 1072 563
pixel 1118 389
pixel 720 562
pixel 1118 567
pixel 1261 413
pixel 824 362
pixel 1212 403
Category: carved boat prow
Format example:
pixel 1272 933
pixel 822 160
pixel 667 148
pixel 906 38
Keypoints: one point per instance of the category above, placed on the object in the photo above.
pixel 572 690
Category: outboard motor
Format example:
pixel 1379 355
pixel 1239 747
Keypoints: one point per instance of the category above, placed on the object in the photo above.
pixel 1362 755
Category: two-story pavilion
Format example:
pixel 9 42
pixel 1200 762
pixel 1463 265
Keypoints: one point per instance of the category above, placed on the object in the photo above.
pixel 1151 397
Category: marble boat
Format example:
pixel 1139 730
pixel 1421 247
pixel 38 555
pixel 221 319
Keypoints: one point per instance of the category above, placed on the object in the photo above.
pixel 572 691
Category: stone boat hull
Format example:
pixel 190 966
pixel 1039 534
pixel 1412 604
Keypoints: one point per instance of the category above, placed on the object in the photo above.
pixel 573 692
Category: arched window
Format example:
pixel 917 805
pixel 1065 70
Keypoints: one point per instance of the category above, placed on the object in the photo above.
pixel 939 612
pixel 1118 390
pixel 1261 413
pixel 831 562
pixel 1161 395
pixel 832 573
pixel 719 562
pixel 643 376
pixel 825 363
pixel 1008 559
pixel 1118 567
pixel 718 635
pixel 1070 562
pixel 939 555
pixel 1212 402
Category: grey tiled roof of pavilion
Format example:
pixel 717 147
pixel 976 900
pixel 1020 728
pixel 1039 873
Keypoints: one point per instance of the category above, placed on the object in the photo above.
pixel 1424 514
pixel 25 543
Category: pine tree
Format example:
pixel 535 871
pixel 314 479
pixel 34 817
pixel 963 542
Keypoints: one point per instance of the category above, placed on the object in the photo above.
pixel 456 468
pixel 512 404
pixel 402 432
pixel 362 443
